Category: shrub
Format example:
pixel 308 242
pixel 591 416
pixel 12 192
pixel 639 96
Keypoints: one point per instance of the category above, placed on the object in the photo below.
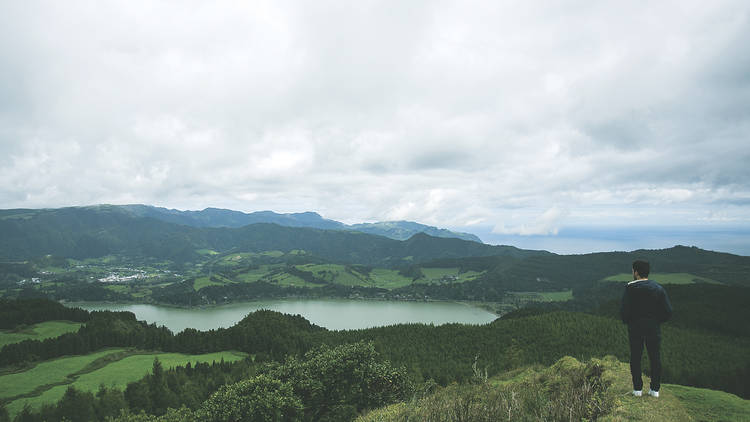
pixel 569 390
pixel 256 399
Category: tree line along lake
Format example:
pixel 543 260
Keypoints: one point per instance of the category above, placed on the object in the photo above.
pixel 334 314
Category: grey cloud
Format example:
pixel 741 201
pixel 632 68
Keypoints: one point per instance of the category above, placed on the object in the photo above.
pixel 363 110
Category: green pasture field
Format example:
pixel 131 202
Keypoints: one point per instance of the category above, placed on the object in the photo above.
pixel 556 296
pixel 141 293
pixel 665 278
pixel 39 331
pixel 284 279
pixel 436 274
pixel 55 270
pixel 48 372
pixel 337 274
pixel 389 279
pixel 119 288
pixel 117 373
pixel 206 252
pixel 543 296
pixel 450 275
pixel 202 282
pixel 346 278
pixel 109 259
pixel 253 275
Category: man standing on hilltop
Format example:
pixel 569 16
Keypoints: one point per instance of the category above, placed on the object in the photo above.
pixel 645 305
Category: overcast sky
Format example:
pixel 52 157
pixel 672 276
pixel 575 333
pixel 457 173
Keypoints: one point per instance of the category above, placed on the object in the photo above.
pixel 520 119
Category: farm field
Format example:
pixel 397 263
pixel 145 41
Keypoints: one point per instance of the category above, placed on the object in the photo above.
pixel 47 382
pixel 39 331
pixel 543 296
pixel 389 279
pixel 666 278
pixel 202 282
pixel 447 275
pixel 49 372
pixel 328 273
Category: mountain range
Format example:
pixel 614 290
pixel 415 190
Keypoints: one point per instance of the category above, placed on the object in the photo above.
pixel 95 231
pixel 217 217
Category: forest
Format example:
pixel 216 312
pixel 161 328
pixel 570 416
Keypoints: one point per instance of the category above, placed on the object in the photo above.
pixel 705 346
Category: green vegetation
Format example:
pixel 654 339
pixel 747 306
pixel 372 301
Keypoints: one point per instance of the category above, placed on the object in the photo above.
pixel 105 254
pixel 332 273
pixel 133 368
pixel 710 405
pixel 556 296
pixel 202 282
pixel 389 279
pixel 207 252
pixel 285 279
pixel 327 384
pixel 93 232
pixel 47 373
pixel 507 351
pixel 266 261
pixel 527 297
pixel 448 275
pixel 38 331
pixel 251 276
pixel 568 390
pixel 114 368
pixel 665 278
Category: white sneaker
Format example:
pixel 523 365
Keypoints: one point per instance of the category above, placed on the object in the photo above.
pixel 637 393
pixel 653 393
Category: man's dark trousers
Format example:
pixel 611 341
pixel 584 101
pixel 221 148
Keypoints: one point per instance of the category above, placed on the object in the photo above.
pixel 639 332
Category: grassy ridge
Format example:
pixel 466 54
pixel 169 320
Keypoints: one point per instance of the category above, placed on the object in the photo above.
pixel 711 405
pixel 47 382
pixel 39 331
pixel 599 389
pixel 666 278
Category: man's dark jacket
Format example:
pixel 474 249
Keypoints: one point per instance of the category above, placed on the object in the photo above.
pixel 645 305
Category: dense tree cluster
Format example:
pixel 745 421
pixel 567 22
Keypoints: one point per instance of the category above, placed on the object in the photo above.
pixel 158 391
pixel 326 384
pixel 31 311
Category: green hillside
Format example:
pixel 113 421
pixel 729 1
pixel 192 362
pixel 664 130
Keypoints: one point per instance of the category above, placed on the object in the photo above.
pixel 40 331
pixel 598 389
pixel 47 382
pixel 92 232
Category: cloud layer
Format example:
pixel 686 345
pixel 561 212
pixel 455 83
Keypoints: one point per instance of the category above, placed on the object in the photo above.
pixel 519 116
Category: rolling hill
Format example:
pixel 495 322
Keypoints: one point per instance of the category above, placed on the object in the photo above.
pixel 83 232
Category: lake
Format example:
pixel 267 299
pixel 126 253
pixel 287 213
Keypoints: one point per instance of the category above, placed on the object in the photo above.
pixel 334 314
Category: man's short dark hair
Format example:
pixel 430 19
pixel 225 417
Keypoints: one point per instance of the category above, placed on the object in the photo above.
pixel 642 268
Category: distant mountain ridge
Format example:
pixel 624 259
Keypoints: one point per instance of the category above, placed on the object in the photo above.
pixel 218 217
pixel 95 231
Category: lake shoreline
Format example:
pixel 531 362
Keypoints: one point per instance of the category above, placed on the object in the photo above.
pixel 330 313
pixel 476 304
